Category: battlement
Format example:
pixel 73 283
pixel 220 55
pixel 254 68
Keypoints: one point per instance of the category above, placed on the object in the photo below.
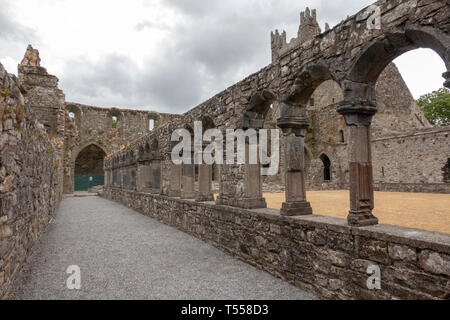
pixel 307 30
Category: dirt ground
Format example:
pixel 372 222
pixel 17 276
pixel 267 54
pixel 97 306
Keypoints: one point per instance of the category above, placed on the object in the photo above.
pixel 415 210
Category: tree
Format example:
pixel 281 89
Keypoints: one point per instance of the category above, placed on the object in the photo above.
pixel 436 107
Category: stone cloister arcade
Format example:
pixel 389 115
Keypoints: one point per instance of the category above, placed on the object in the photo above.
pixel 353 55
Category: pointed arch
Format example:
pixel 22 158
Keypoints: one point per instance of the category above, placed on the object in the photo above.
pixel 369 64
pixel 326 163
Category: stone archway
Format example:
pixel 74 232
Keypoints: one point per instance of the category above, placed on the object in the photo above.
pixel 326 167
pixel 88 168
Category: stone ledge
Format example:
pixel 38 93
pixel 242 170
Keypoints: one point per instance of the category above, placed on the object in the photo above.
pixel 414 237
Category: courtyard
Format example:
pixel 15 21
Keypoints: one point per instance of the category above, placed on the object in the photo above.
pixel 425 211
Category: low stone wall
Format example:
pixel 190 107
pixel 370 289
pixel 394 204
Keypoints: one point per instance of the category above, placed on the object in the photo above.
pixel 30 180
pixel 316 253
pixel 443 188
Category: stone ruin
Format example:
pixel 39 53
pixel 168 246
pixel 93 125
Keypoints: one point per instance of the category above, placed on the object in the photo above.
pixel 347 121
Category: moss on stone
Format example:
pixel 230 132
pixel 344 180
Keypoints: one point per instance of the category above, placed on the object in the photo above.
pixel 5 92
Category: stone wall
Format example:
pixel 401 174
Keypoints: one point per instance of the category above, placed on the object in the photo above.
pixel 316 253
pixel 413 158
pixel 30 179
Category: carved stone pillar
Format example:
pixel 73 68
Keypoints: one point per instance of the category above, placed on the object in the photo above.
pixel 133 176
pixel 253 196
pixel 121 176
pixel 205 183
pixel 358 108
pixel 143 175
pixel 114 176
pixel 294 130
pixel 253 118
pixel 105 181
pixel 188 188
pixel 175 180
pixel 108 177
pixel 156 177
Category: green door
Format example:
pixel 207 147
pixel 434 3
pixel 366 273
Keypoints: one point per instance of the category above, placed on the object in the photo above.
pixel 84 182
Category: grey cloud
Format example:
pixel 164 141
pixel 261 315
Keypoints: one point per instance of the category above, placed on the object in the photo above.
pixel 12 30
pixel 149 24
pixel 109 80
pixel 196 8
pixel 115 80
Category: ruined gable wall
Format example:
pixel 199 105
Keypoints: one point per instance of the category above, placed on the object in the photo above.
pixel 30 180
pixel 93 125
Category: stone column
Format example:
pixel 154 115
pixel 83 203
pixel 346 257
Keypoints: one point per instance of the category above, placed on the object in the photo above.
pixel 294 130
pixel 133 177
pixel 121 176
pixel 205 183
pixel 113 177
pixel 142 176
pixel 107 179
pixel 188 188
pixel 156 176
pixel 358 108
pixel 175 180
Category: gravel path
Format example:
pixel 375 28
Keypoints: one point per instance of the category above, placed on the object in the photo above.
pixel 125 255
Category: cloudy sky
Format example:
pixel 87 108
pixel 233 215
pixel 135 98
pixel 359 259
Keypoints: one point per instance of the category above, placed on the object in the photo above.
pixel 167 55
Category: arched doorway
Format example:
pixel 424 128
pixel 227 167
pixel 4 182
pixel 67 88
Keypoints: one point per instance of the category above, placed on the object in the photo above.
pixel 326 167
pixel 89 170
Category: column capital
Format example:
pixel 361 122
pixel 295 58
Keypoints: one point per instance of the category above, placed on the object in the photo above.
pixel 446 76
pixel 293 122
pixel 357 111
pixel 359 104
pixel 293 119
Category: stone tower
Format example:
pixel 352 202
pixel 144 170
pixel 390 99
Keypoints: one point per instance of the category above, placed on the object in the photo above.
pixel 307 30
pixel 277 43
pixel 309 27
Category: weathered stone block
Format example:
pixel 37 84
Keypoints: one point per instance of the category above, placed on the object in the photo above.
pixel 275 228
pixel 374 250
pixel 334 284
pixel 437 263
pixel 340 241
pixel 223 215
pixel 5 232
pixel 399 252
pixel 317 237
pixel 417 281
